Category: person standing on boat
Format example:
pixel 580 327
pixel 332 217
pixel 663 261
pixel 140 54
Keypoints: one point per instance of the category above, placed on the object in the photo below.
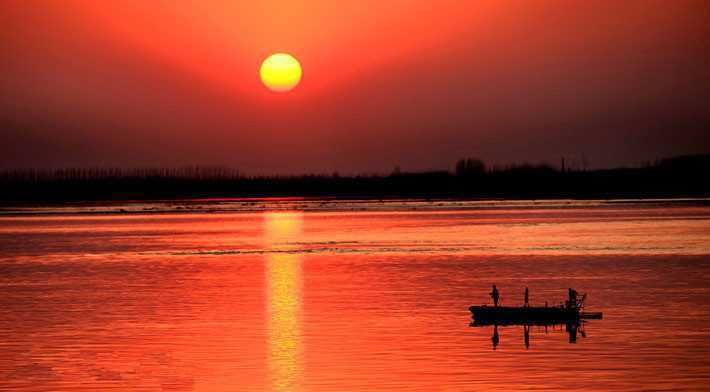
pixel 495 295
pixel 572 300
pixel 527 303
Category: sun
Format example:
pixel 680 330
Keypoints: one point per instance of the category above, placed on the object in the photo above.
pixel 280 72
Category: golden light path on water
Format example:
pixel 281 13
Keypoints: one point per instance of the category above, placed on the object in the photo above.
pixel 283 286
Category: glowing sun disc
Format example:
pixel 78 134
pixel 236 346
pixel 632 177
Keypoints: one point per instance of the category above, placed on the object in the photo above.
pixel 280 72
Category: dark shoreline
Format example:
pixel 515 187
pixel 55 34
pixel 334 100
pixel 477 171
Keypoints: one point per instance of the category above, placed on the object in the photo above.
pixel 308 204
pixel 618 198
pixel 678 177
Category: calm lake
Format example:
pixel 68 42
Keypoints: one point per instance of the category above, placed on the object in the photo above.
pixel 320 295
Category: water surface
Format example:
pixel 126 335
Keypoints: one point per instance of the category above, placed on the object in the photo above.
pixel 320 296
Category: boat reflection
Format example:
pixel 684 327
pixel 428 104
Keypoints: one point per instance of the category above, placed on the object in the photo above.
pixel 284 300
pixel 572 328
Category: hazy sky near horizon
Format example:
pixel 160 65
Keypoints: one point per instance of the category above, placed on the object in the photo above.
pixel 399 82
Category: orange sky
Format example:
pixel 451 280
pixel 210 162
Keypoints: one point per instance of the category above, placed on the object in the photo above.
pixel 223 42
pixel 410 83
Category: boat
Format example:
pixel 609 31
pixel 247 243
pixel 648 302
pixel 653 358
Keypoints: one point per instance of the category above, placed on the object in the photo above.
pixel 508 315
pixel 570 312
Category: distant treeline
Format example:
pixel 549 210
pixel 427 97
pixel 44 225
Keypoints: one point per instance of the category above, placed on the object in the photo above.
pixel 682 176
pixel 103 174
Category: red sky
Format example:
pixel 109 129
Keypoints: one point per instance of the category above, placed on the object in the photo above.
pixel 410 83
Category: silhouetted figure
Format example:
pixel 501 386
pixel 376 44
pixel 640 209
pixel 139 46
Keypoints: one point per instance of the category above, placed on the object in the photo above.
pixel 495 339
pixel 495 295
pixel 572 299
pixel 527 303
pixel 526 332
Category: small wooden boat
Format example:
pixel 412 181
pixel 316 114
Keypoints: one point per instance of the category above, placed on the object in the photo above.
pixel 503 315
pixel 570 312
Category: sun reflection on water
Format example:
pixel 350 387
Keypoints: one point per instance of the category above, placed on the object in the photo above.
pixel 283 285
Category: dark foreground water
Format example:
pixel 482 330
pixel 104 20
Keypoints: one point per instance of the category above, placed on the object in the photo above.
pixel 349 298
